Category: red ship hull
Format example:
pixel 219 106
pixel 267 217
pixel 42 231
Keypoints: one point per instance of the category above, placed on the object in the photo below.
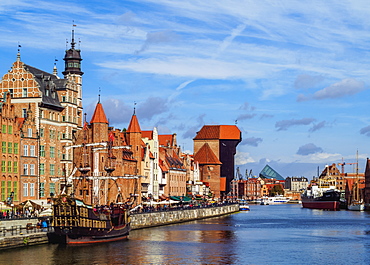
pixel 323 205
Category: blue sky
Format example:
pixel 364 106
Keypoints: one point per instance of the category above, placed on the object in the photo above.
pixel 293 74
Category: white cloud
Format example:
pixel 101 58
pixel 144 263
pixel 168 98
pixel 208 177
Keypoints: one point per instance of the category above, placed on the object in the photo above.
pixel 242 158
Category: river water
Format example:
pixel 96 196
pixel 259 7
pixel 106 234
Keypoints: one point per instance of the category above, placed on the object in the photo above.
pixel 271 234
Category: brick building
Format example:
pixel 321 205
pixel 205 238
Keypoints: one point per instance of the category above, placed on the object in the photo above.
pixel 214 149
pixel 51 110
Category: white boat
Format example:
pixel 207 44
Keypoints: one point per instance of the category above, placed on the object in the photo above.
pixel 359 206
pixel 243 205
pixel 274 200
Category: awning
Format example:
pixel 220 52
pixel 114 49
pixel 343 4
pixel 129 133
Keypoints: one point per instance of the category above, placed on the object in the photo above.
pixel 181 198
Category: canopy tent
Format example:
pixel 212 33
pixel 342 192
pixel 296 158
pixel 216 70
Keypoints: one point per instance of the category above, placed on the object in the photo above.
pixel 181 198
pixel 47 212
pixel 34 204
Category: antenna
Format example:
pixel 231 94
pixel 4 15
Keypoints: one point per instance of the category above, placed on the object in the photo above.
pixel 134 107
pixel 99 95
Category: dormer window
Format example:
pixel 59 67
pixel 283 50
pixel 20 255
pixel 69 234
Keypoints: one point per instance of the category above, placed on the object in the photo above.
pixel 47 92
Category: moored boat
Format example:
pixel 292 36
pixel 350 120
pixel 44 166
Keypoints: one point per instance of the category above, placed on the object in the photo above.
pixel 356 202
pixel 75 222
pixel 330 200
pixel 243 205
pixel 274 200
pixel 100 213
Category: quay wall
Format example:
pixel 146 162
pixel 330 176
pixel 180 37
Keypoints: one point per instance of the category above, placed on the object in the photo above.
pixel 144 220
pixel 18 233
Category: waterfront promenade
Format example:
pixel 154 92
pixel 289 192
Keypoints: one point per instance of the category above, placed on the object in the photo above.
pixel 25 232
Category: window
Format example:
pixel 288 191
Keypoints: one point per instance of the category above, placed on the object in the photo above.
pixel 15 167
pixel 29 132
pixel 63 118
pixel 42 190
pixel 3 189
pixel 47 92
pixel 16 148
pixel 52 152
pixel 32 189
pixel 52 169
pixel 25 189
pixel 63 98
pixel 25 169
pixel 24 113
pixel 25 150
pixel 42 150
pixel 24 94
pixel 3 128
pixel 10 129
pixel 15 189
pixel 41 132
pixel 32 169
pixel 32 150
pixel 52 189
pixel 3 147
pixel 9 166
pixel 3 166
pixel 10 148
pixel 42 169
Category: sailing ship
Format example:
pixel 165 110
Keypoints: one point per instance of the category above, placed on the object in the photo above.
pixel 356 202
pixel 97 216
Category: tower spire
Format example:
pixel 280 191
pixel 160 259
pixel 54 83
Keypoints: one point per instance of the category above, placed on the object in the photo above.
pixel 19 52
pixel 73 35
pixel 73 58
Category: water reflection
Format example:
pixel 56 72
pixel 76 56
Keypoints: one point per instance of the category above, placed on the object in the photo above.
pixel 284 234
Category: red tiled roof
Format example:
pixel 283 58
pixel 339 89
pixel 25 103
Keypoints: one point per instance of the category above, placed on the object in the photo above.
pixel 99 115
pixel 147 134
pixel 165 139
pixel 134 126
pixel 224 132
pixel 205 155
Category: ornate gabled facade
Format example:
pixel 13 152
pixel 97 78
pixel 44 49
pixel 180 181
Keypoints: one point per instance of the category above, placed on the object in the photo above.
pixel 102 151
pixel 156 183
pixel 55 106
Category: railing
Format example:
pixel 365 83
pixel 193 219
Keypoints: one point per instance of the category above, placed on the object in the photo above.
pixel 177 207
pixel 20 230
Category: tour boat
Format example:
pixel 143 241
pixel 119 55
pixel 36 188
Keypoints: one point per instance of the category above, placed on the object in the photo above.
pixel 279 199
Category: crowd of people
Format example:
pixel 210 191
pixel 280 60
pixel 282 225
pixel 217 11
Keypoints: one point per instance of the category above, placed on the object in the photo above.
pixel 18 214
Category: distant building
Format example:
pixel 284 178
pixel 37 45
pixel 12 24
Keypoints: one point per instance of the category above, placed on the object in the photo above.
pixel 269 173
pixel 296 183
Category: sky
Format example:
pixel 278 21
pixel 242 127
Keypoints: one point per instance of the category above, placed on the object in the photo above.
pixel 292 75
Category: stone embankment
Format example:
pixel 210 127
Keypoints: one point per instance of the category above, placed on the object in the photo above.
pixel 20 233
pixel 144 220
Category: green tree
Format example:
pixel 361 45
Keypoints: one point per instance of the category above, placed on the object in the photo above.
pixel 276 190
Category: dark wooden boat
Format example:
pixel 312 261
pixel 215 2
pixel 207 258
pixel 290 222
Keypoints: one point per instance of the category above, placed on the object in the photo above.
pixel 75 222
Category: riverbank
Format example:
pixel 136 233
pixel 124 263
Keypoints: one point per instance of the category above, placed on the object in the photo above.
pixel 21 233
